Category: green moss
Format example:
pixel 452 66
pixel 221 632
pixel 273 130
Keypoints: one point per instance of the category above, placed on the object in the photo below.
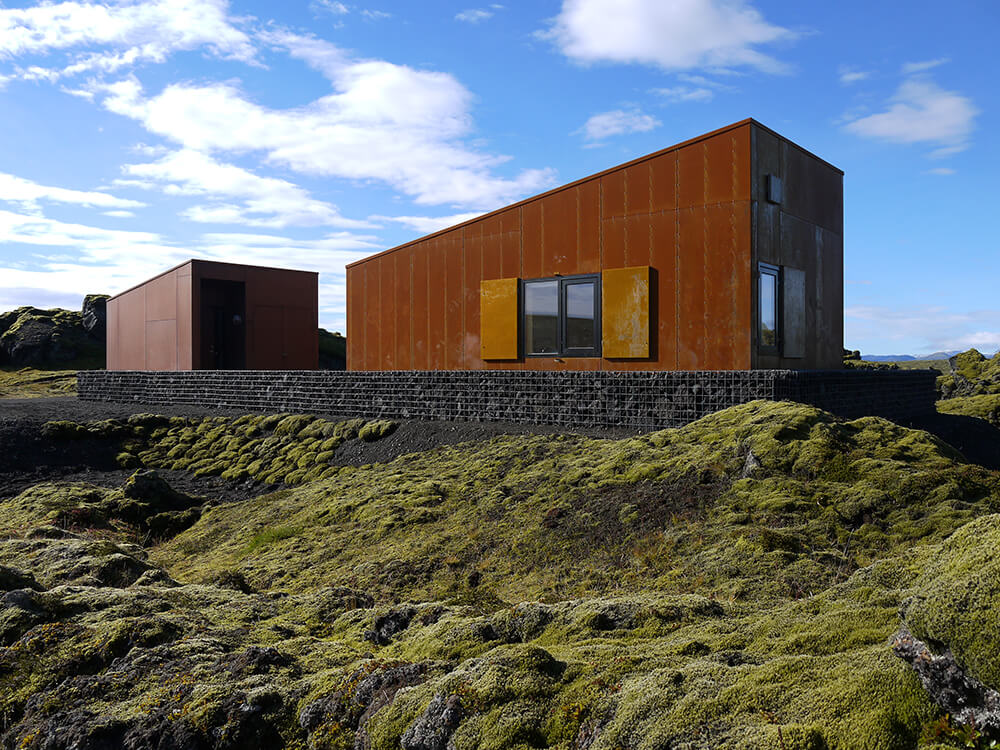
pixel 63 429
pixel 27 382
pixel 971 374
pixel 957 598
pixel 282 448
pixel 126 460
pixel 377 430
pixel 267 537
pixel 560 590
pixel 986 407
pixel 558 516
pixel 293 424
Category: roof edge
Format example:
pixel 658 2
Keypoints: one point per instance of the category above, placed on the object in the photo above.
pixel 597 175
pixel 558 189
pixel 201 261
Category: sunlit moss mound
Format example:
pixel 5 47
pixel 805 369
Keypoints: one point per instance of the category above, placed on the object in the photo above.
pixel 30 383
pixel 145 508
pixel 761 500
pixel 730 584
pixel 986 407
pixel 276 448
pixel 140 660
pixel 956 605
pixel 971 374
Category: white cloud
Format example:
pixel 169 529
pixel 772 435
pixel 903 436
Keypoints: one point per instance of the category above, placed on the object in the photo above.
pixel 920 67
pixel 922 112
pixel 267 201
pixel 850 75
pixel 135 30
pixel 987 342
pixel 105 260
pixel 151 151
pixel 102 253
pixel 677 35
pixel 703 81
pixel 376 15
pixel 386 122
pixel 27 193
pixel 617 122
pixel 941 171
pixel 684 94
pixel 119 214
pixel 338 9
pixel 474 15
pixel 935 328
pixel 428 224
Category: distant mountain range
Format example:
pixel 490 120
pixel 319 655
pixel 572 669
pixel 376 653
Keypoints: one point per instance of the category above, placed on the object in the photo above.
pixel 912 358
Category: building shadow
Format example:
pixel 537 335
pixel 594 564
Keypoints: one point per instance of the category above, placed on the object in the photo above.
pixel 975 438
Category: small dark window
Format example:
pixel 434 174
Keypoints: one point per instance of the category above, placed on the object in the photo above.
pixel 561 317
pixel 774 192
pixel 767 300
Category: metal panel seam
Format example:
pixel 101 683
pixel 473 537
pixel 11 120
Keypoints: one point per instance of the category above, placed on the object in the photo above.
pixel 704 254
pixel 677 260
pixel 461 343
pixel 413 363
pixel 600 235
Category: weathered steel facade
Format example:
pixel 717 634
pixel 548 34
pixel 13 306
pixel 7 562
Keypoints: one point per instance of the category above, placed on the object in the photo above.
pixel 692 222
pixel 204 315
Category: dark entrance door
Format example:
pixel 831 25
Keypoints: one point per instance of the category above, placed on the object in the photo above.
pixel 223 325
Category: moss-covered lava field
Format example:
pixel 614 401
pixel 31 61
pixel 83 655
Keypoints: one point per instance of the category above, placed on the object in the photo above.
pixel 770 576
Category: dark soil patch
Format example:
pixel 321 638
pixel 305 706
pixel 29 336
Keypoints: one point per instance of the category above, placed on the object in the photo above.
pixel 598 516
pixel 209 487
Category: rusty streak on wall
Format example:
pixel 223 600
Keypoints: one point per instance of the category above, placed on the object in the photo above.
pixel 157 325
pixel 687 212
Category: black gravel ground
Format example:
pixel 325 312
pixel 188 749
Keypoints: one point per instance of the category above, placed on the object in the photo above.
pixel 27 458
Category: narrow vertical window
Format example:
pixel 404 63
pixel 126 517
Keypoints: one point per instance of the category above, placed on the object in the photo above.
pixel 767 298
pixel 581 318
pixel 541 317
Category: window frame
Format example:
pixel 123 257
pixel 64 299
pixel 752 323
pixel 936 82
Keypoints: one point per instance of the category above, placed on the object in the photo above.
pixel 769 269
pixel 562 317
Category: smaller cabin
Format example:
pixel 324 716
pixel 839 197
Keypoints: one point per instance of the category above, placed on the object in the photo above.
pixel 205 315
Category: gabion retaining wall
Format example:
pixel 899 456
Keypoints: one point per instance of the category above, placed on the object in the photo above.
pixel 641 400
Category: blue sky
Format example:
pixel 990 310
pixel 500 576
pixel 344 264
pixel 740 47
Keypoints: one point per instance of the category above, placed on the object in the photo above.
pixel 136 135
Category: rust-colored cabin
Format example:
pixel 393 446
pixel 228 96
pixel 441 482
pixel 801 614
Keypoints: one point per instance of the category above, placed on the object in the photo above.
pixel 204 315
pixel 724 252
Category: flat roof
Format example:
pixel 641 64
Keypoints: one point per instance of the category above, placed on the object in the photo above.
pixel 201 261
pixel 597 175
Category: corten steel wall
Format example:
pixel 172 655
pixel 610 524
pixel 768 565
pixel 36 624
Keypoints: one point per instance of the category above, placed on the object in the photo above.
pixel 157 325
pixel 805 231
pixel 685 211
pixel 696 213
pixel 150 325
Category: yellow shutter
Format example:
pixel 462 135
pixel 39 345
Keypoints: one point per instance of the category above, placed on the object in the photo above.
pixel 498 319
pixel 625 313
